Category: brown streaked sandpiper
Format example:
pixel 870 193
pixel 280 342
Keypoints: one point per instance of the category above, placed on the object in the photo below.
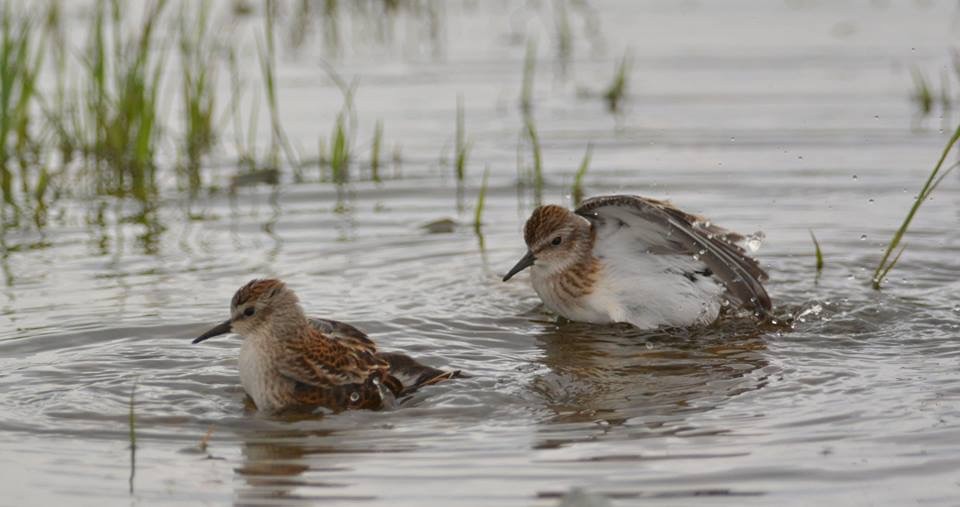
pixel 624 258
pixel 290 361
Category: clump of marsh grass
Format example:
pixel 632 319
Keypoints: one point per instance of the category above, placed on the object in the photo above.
pixel 341 139
pixel 21 58
pixel 577 191
pixel 245 145
pixel 61 116
pixel 198 67
pixel 123 85
pixel 617 90
pixel 267 54
pixel 931 183
pixel 340 151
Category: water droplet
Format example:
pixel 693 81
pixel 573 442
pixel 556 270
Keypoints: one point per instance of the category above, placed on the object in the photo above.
pixel 813 310
pixel 956 308
pixel 354 396
pixel 754 241
pixel 648 345
pixel 876 117
pixel 870 201
pixel 733 139
pixel 725 302
pixel 863 237
pixel 855 177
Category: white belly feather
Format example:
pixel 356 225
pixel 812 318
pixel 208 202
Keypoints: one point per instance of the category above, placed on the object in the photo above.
pixel 648 291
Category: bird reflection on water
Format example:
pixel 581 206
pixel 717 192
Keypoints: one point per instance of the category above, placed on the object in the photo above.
pixel 614 374
pixel 285 467
pixel 593 381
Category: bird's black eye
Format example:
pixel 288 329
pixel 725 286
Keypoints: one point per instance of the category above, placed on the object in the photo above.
pixel 556 241
pixel 249 311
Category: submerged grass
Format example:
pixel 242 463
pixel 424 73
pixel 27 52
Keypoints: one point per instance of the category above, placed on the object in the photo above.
pixel 931 183
pixel 132 435
pixel 198 68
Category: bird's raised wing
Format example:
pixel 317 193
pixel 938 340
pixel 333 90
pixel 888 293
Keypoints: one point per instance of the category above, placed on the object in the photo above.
pixel 317 359
pixel 657 228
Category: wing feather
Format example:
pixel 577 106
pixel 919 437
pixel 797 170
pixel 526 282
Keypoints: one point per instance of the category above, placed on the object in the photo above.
pixel 316 359
pixel 663 229
pixel 342 331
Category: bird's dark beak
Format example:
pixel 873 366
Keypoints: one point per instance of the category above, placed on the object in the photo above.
pixel 524 263
pixel 221 328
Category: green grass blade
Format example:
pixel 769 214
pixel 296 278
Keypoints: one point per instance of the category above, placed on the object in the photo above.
pixel 537 161
pixel 577 192
pixel 818 252
pixel 481 201
pixel 882 268
pixel 375 152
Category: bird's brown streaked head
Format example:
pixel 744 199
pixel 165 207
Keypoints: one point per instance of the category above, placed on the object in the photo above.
pixel 254 305
pixel 556 238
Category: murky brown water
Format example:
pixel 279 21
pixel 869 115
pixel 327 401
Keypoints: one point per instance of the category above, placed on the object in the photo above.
pixel 772 116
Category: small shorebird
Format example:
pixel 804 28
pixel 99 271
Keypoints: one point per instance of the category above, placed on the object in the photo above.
pixel 624 258
pixel 290 361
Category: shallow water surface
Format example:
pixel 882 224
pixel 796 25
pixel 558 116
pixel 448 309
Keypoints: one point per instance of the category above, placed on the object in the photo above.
pixel 782 117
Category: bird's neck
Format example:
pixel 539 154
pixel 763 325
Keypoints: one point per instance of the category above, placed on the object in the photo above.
pixel 577 276
pixel 287 323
